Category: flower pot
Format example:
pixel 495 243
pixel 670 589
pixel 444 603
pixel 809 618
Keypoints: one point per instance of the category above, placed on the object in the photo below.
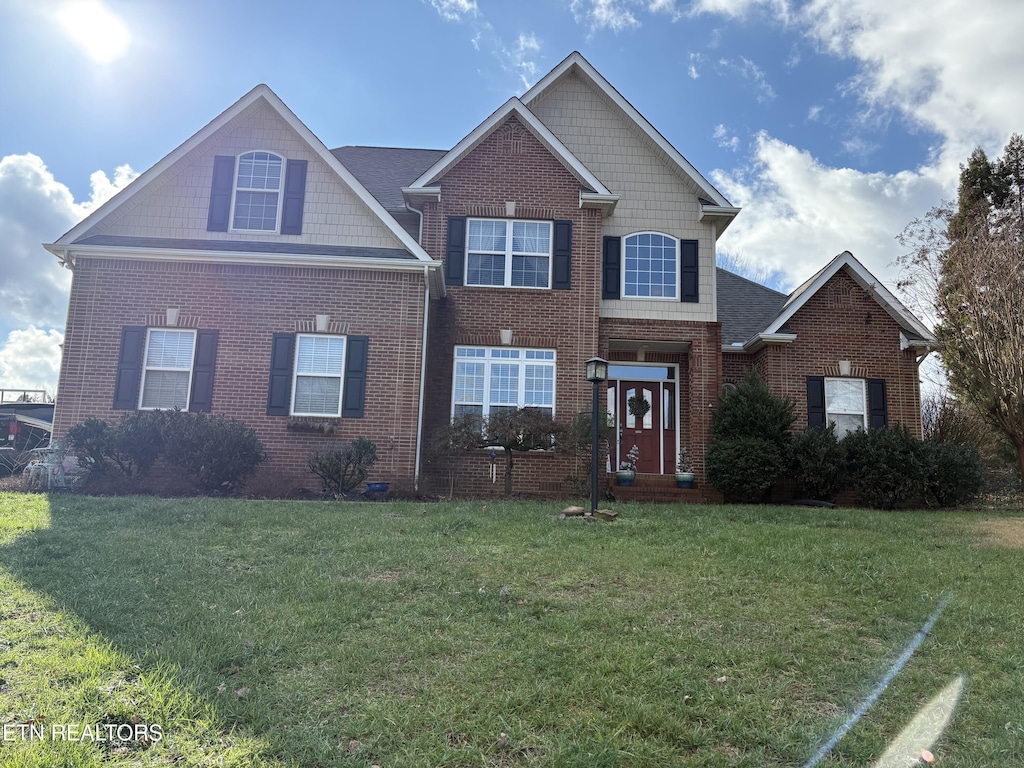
pixel 684 479
pixel 624 476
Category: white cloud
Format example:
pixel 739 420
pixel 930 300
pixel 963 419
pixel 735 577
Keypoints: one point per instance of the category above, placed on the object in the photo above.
pixel 798 213
pixel 614 15
pixel 814 112
pixel 748 70
pixel 454 10
pixel 36 208
pixel 30 359
pixel 723 138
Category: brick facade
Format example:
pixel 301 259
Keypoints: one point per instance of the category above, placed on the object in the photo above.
pixel 247 305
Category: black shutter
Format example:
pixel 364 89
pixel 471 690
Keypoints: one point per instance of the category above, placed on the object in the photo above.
pixel 294 197
pixel 878 413
pixel 129 367
pixel 816 402
pixel 455 253
pixel 355 377
pixel 611 249
pixel 688 267
pixel 279 394
pixel 562 253
pixel 220 193
pixel 202 372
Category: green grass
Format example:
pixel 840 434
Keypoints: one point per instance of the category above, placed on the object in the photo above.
pixel 276 633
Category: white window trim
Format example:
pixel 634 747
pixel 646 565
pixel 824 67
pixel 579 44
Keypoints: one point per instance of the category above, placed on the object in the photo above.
pixel 522 361
pixel 235 190
pixel 147 368
pixel 622 287
pixel 340 377
pixel 863 413
pixel 508 253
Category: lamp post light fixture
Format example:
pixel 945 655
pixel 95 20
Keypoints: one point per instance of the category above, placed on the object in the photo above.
pixel 597 371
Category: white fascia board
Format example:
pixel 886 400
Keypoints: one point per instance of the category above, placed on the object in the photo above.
pixel 575 59
pixel 273 100
pixel 866 280
pixel 596 200
pixel 535 126
pixel 762 339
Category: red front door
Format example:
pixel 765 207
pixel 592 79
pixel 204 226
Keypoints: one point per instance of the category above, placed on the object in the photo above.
pixel 639 414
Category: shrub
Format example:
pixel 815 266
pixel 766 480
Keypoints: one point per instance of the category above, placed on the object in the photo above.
pixel 750 440
pixel 92 441
pixel 343 466
pixel 885 466
pixel 744 468
pixel 217 452
pixel 952 473
pixel 817 464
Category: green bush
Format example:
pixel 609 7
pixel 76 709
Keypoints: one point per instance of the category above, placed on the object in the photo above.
pixel 341 467
pixel 217 452
pixel 214 451
pixel 750 440
pixel 952 473
pixel 131 447
pixel 744 468
pixel 817 464
pixel 885 466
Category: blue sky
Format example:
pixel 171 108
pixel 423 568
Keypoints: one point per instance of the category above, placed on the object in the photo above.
pixel 831 124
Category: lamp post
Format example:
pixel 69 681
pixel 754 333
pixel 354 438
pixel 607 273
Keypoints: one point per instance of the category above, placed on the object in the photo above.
pixel 597 371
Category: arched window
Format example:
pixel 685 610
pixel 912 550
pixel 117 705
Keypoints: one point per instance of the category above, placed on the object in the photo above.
pixel 258 192
pixel 651 267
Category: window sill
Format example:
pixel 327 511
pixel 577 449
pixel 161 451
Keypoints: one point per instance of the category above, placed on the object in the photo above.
pixel 324 425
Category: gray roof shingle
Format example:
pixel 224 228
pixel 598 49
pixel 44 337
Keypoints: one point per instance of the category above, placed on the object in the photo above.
pixel 385 170
pixel 745 307
pixel 246 246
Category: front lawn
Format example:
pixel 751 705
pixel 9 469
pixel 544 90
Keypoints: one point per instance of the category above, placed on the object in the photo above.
pixel 403 634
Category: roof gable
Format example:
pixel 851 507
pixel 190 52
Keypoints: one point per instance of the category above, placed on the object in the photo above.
pixel 715 202
pixel 893 306
pixel 512 107
pixel 260 97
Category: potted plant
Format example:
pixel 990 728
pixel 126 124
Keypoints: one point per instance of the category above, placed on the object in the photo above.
pixel 684 470
pixel 626 472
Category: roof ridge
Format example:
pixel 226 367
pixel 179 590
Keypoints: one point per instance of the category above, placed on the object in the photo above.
pixel 752 282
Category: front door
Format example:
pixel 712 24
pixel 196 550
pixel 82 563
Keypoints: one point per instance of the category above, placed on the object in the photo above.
pixel 639 407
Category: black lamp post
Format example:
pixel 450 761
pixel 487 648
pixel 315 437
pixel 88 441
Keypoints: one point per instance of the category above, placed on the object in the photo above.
pixel 597 371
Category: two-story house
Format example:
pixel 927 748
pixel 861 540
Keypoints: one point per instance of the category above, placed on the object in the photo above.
pixel 380 292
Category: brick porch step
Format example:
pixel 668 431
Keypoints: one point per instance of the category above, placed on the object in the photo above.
pixel 659 489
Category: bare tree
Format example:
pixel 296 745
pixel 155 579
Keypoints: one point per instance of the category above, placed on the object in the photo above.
pixel 971 264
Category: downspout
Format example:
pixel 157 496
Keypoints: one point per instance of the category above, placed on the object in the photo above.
pixel 423 373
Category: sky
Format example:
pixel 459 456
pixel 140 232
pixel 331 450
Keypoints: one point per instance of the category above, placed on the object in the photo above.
pixel 832 124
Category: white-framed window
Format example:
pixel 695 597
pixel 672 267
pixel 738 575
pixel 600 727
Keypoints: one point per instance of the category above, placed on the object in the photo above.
pixel 259 178
pixel 167 369
pixel 317 379
pixel 650 266
pixel 508 252
pixel 488 380
pixel 846 405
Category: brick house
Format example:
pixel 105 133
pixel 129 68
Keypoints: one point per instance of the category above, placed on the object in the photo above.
pixel 379 292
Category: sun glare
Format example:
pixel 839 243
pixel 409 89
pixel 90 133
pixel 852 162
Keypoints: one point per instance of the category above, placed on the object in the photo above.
pixel 99 32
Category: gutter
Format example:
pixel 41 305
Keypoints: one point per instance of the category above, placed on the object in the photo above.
pixel 423 377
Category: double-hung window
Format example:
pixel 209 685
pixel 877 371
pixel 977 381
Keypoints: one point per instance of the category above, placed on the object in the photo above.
pixel 490 380
pixel 506 252
pixel 650 266
pixel 258 192
pixel 318 373
pixel 845 405
pixel 167 369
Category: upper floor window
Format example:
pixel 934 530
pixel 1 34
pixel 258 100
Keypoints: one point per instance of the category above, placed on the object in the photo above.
pixel 490 380
pixel 505 252
pixel 167 370
pixel 258 192
pixel 650 266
